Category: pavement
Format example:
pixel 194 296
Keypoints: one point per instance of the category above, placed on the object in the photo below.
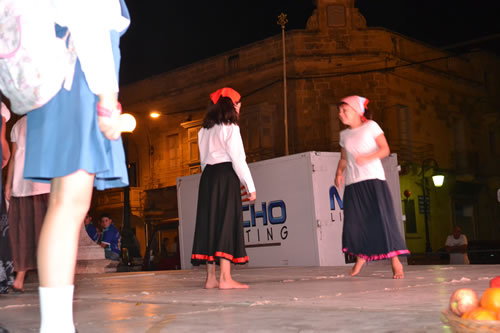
pixel 281 299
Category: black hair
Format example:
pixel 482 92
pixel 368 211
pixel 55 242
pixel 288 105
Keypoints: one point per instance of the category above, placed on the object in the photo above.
pixel 367 114
pixel 223 112
pixel 105 215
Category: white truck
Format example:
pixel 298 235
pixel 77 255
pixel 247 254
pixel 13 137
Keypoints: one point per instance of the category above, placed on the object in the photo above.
pixel 298 215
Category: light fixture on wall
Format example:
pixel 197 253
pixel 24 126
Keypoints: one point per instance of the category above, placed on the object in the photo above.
pixel 154 114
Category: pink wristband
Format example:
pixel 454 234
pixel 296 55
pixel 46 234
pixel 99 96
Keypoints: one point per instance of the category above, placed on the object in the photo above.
pixel 103 112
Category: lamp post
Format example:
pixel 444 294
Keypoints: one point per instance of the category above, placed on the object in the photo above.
pixel 282 21
pixel 128 124
pixel 438 180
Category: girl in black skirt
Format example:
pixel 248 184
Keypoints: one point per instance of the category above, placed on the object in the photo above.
pixel 370 225
pixel 218 236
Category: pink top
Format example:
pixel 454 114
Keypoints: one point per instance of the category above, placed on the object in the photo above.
pixel 20 186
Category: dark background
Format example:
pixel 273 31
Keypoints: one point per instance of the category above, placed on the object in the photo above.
pixel 167 34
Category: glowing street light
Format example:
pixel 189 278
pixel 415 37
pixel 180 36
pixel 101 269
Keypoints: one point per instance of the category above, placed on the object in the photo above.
pixel 154 114
pixel 438 181
pixel 127 123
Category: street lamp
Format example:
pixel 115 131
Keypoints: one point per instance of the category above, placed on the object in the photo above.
pixel 438 180
pixel 282 21
pixel 128 123
pixel 154 114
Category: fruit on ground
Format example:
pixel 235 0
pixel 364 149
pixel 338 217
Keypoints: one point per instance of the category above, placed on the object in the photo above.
pixel 480 314
pixel 463 300
pixel 495 282
pixel 491 299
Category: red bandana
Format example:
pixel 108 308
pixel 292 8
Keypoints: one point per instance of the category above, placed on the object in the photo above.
pixel 225 92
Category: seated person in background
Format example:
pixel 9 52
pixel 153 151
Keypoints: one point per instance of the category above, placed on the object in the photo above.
pixel 90 228
pixel 110 238
pixel 456 246
pixel 172 247
pixel 164 248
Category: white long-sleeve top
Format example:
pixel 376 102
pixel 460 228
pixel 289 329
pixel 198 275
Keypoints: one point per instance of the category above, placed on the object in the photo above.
pixel 223 143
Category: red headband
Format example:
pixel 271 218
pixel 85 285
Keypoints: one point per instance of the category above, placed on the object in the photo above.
pixel 225 92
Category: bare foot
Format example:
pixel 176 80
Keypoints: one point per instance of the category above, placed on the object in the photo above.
pixel 231 284
pixel 211 284
pixel 18 284
pixel 357 266
pixel 397 270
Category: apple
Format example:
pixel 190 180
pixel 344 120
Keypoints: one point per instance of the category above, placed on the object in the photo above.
pixel 463 300
pixel 495 282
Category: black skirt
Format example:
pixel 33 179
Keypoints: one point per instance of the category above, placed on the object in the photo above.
pixel 219 217
pixel 6 262
pixel 370 224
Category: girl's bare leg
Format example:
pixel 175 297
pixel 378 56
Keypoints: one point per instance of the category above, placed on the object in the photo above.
pixel 69 201
pixel 397 268
pixel 211 277
pixel 226 281
pixel 357 266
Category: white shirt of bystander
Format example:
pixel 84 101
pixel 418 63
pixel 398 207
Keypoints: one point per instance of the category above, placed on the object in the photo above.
pixel 457 258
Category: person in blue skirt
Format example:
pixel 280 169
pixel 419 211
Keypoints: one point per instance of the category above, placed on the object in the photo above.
pixel 73 142
pixel 370 229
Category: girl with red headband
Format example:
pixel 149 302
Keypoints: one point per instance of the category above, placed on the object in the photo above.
pixel 218 237
pixel 370 224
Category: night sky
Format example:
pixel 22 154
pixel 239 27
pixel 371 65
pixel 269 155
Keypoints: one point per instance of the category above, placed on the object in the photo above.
pixel 167 34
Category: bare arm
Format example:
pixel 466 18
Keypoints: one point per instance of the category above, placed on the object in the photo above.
pixel 10 173
pixel 339 177
pixel 5 145
pixel 382 151
pixel 110 125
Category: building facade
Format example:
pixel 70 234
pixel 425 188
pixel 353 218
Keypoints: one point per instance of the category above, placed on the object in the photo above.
pixel 438 110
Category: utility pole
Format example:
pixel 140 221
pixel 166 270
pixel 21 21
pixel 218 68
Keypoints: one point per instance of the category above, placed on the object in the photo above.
pixel 282 21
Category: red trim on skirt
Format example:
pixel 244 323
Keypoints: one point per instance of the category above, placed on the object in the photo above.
pixel 220 255
pixel 378 256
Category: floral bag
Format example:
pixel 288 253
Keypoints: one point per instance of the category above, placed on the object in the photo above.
pixel 31 56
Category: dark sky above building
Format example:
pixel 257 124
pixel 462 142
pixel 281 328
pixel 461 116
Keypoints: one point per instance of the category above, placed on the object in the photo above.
pixel 167 34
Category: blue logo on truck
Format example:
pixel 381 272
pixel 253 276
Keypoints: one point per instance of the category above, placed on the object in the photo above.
pixel 272 213
pixel 335 197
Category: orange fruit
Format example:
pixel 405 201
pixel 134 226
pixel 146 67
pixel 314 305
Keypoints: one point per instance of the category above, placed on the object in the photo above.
pixel 491 299
pixel 480 314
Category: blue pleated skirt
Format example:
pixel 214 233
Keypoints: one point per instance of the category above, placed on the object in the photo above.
pixel 63 137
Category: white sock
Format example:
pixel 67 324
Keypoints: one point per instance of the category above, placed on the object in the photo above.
pixel 56 309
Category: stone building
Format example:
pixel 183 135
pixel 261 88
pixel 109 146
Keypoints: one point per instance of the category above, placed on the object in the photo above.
pixel 436 108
